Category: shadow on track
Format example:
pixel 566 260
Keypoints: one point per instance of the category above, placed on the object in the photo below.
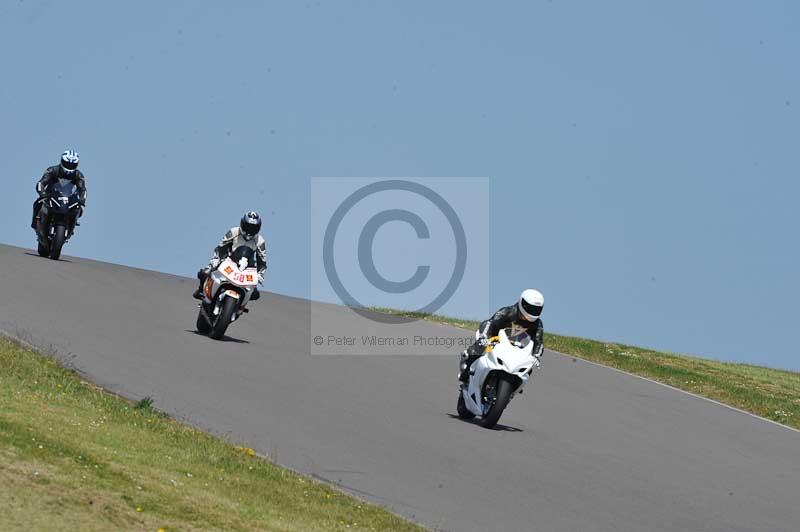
pixel 499 426
pixel 48 258
pixel 225 338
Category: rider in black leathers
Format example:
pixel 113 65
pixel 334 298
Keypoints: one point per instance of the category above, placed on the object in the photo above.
pixel 66 169
pixel 524 315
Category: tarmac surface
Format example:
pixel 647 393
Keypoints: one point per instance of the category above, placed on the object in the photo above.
pixel 585 448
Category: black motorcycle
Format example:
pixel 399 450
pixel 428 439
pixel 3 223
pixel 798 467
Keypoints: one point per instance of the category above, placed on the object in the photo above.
pixel 58 217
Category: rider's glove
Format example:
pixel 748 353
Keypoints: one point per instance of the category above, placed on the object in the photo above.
pixel 260 278
pixel 214 263
pixel 483 341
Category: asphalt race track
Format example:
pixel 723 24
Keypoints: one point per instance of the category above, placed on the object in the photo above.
pixel 585 448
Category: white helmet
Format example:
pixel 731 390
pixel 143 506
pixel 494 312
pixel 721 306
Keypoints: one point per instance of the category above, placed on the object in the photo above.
pixel 531 303
pixel 69 161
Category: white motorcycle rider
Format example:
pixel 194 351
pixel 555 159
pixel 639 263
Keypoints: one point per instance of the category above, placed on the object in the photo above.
pixel 505 353
pixel 497 376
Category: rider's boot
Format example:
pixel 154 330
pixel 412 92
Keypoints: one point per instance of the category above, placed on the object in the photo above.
pixel 201 276
pixel 39 228
pixel 468 357
pixel 463 374
pixel 36 208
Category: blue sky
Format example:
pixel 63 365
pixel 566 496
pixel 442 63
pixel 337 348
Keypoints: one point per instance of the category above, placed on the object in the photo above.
pixel 645 151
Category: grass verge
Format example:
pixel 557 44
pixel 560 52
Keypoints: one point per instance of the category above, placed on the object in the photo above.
pixel 771 393
pixel 74 457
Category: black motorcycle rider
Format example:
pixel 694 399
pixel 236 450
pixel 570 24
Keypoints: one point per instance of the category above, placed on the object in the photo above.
pixel 523 315
pixel 247 234
pixel 66 169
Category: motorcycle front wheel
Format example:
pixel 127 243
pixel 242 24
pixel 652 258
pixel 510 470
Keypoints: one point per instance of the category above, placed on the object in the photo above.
pixel 499 400
pixel 57 242
pixel 224 319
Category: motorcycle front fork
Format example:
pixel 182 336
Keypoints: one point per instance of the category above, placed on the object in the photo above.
pixel 41 227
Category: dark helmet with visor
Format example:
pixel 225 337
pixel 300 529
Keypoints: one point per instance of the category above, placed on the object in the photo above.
pixel 250 225
pixel 69 161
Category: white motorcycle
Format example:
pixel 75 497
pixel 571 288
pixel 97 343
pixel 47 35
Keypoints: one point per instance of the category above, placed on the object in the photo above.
pixel 496 377
pixel 226 292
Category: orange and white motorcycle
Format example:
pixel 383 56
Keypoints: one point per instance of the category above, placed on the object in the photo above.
pixel 226 292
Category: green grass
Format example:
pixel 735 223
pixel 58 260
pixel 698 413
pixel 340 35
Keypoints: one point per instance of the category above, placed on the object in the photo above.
pixel 74 457
pixel 770 393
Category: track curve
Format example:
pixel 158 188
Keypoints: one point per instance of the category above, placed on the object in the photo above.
pixel 586 448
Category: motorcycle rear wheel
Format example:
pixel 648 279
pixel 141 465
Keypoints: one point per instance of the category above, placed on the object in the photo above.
pixel 202 323
pixel 461 407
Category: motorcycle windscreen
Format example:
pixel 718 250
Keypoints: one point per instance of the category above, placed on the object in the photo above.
pixel 244 257
pixel 519 337
pixel 64 188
